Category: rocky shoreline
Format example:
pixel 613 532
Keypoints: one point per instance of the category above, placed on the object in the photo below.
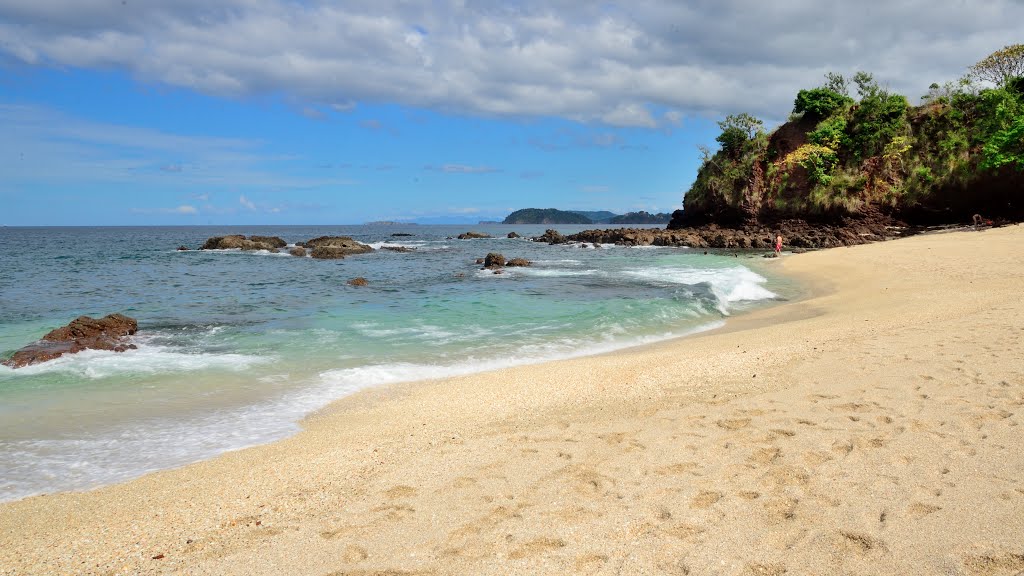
pixel 797 234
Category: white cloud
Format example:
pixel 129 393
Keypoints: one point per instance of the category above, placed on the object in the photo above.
pixel 245 202
pixel 466 169
pixel 185 209
pixel 593 62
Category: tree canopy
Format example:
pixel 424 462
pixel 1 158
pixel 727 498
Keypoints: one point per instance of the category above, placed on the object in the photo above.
pixel 1001 66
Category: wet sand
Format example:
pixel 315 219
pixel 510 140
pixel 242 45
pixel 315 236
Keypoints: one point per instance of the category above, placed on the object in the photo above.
pixel 873 427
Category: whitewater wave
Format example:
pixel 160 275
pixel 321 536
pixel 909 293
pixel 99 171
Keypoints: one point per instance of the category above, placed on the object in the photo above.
pixel 729 285
pixel 147 359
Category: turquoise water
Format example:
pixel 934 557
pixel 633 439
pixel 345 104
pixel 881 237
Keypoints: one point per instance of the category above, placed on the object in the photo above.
pixel 235 348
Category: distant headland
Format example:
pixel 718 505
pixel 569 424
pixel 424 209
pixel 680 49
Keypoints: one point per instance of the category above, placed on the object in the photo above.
pixel 555 216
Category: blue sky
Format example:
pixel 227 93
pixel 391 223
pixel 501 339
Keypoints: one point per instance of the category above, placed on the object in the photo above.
pixel 267 112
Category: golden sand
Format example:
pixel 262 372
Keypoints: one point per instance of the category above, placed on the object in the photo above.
pixel 870 428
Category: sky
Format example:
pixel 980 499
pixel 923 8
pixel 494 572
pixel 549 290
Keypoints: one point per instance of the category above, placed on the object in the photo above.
pixel 143 112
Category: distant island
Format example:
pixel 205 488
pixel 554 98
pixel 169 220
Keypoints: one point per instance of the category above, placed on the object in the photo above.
pixel 389 223
pixel 555 216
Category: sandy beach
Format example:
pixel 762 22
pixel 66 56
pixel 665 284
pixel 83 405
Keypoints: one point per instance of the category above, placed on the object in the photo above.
pixel 872 427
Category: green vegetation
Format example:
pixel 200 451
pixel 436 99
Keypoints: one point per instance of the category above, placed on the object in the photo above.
pixel 641 217
pixel 554 216
pixel 961 151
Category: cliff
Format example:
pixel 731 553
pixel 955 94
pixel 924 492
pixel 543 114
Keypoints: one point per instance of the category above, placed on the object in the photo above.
pixel 839 159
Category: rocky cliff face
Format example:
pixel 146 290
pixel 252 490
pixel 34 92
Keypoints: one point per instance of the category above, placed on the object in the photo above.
pixel 959 154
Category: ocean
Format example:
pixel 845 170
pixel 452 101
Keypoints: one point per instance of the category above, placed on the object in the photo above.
pixel 235 348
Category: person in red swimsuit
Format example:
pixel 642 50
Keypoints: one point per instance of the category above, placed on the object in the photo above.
pixel 778 244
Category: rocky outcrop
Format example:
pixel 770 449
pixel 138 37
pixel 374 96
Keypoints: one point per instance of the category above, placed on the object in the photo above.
pixel 83 333
pixel 494 260
pixel 298 251
pixel 269 240
pixel 358 281
pixel 518 262
pixel 237 241
pixel 551 236
pixel 512 235
pixel 472 235
pixel 182 248
pixel 397 248
pixel 795 233
pixel 335 247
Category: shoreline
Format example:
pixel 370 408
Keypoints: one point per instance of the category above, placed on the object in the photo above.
pixel 791 439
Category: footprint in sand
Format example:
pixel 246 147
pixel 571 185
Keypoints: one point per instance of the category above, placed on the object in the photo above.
pixel 400 491
pixel 734 423
pixel 764 570
pixel 537 547
pixel 705 499
pixel 860 543
pixel 1009 564
pixel 917 510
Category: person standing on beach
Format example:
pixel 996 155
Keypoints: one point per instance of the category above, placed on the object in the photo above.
pixel 778 244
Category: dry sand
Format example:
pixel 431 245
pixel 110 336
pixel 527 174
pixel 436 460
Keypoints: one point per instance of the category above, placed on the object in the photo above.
pixel 871 428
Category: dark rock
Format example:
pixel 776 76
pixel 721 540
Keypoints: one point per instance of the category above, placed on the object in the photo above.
pixel 83 333
pixel 471 235
pixel 327 253
pixel 518 262
pixel 237 241
pixel 182 248
pixel 298 251
pixel 334 247
pixel 513 235
pixel 398 248
pixel 360 281
pixel 796 234
pixel 551 237
pixel 402 234
pixel 494 260
pixel 479 260
pixel 272 241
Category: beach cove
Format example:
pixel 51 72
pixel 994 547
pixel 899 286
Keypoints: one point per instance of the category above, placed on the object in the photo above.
pixel 872 427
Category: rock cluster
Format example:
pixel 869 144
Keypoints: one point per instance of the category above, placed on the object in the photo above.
pixel 83 333
pixel 471 235
pixel 324 247
pixel 796 234
pixel 496 261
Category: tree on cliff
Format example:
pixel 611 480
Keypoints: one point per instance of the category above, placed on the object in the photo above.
pixel 737 129
pixel 1001 66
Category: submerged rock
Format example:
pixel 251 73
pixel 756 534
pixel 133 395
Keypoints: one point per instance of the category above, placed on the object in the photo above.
pixel 518 262
pixel 359 281
pixel 298 251
pixel 397 248
pixel 182 248
pixel 471 235
pixel 83 333
pixel 513 235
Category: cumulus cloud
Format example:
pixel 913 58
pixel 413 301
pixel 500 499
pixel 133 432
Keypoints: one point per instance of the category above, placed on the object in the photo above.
pixel 618 63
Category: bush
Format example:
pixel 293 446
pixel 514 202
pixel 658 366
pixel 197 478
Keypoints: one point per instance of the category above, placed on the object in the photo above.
pixel 820 102
pixel 830 132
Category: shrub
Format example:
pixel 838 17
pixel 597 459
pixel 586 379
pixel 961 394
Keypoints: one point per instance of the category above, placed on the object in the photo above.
pixel 830 132
pixel 821 102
